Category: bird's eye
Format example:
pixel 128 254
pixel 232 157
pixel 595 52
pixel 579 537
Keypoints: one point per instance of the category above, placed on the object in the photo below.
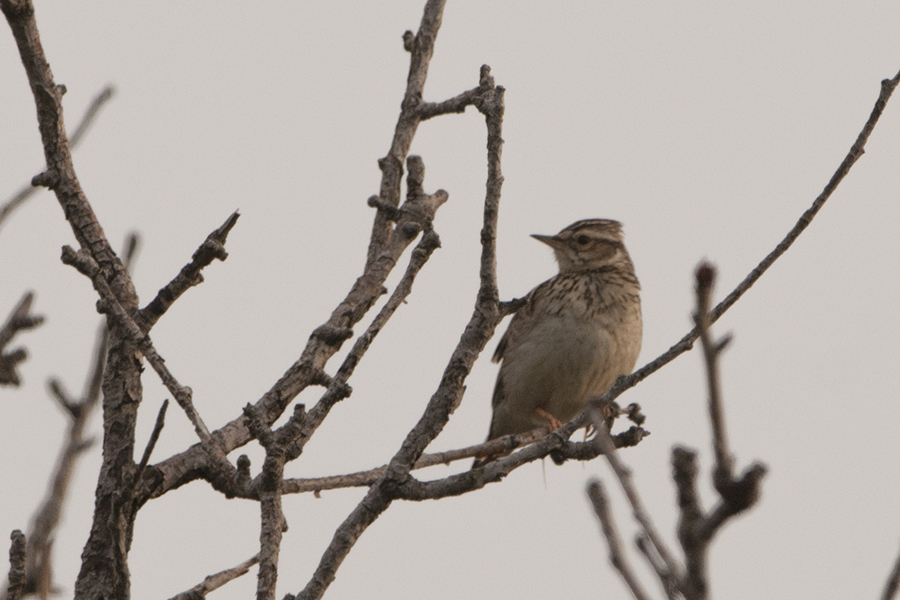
pixel 582 240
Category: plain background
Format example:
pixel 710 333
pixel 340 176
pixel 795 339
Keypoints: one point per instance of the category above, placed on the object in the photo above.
pixel 705 127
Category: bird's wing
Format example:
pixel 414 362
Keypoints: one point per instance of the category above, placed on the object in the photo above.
pixel 519 324
pixel 504 341
pixel 514 325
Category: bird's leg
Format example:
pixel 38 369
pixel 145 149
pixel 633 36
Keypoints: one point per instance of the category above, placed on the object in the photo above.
pixel 552 422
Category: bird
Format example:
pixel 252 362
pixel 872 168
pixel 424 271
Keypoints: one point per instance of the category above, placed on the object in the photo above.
pixel 574 335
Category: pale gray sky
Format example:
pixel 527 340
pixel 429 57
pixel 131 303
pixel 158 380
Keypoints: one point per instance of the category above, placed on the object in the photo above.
pixel 705 127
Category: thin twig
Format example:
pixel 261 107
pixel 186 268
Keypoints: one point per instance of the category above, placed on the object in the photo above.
pixel 687 342
pixel 110 304
pixel 154 437
pixel 214 582
pixel 457 104
pixel 668 585
pixel 87 120
pixel 90 115
pixel 623 473
pixel 856 151
pixel 190 275
pixel 617 555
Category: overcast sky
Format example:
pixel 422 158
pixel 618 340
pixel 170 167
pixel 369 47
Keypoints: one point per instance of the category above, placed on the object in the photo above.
pixel 706 127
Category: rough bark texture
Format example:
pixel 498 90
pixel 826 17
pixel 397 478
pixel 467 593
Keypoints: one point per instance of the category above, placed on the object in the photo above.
pixel 123 487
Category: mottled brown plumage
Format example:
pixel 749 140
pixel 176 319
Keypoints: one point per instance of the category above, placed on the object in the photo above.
pixel 577 332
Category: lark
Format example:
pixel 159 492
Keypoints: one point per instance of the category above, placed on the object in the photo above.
pixel 576 333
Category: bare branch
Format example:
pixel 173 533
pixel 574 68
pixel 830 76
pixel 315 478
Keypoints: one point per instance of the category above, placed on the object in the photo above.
pixel 337 388
pixel 617 556
pixel 104 570
pixel 367 478
pixel 46 519
pixel 421 48
pixel 387 245
pixel 212 248
pixel 110 304
pixel 268 490
pixel 493 472
pixel 481 326
pixel 214 582
pixel 691 517
pixel 457 104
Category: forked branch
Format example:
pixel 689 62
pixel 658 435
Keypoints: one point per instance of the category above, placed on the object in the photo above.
pixel 20 319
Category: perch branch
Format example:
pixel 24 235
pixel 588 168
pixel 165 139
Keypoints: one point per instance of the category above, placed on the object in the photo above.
pixel 366 478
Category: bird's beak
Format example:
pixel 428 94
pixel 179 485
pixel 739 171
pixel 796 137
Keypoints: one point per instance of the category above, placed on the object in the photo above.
pixel 550 240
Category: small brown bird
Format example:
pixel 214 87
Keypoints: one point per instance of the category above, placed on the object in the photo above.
pixel 576 333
